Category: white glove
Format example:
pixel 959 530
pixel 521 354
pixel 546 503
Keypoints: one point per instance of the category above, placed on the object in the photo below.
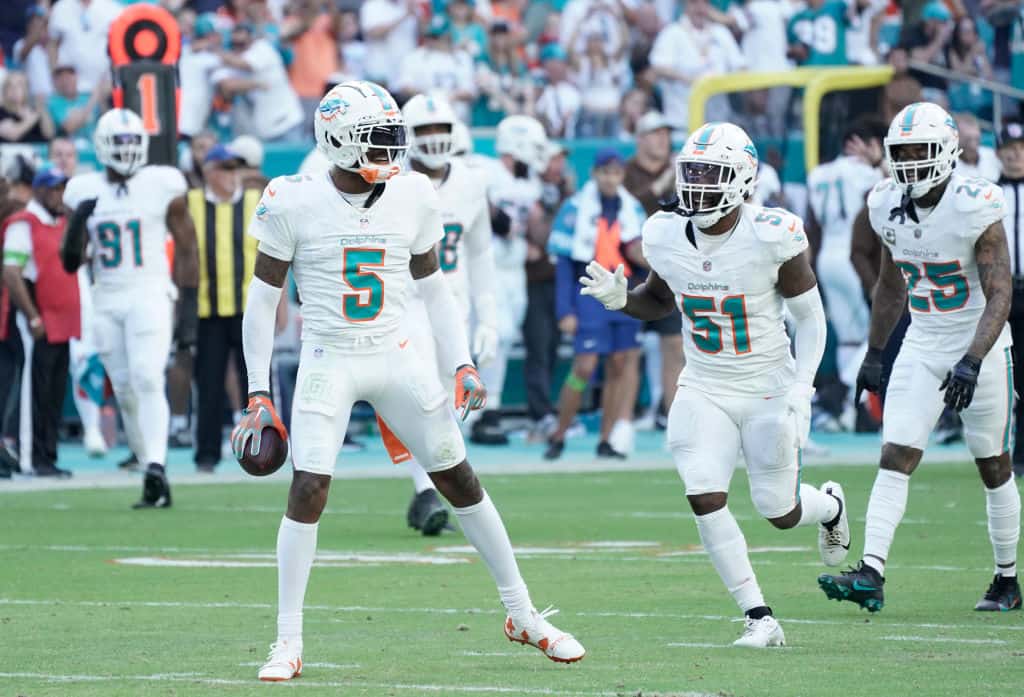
pixel 485 344
pixel 608 288
pixel 798 402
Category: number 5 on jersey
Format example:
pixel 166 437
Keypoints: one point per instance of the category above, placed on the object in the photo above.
pixel 367 299
pixel 707 335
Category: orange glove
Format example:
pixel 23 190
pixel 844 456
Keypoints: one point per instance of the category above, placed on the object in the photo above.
pixel 259 414
pixel 470 391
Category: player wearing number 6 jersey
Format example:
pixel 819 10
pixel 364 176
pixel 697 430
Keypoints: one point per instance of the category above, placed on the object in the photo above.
pixel 943 241
pixel 124 214
pixel 358 239
pixel 731 267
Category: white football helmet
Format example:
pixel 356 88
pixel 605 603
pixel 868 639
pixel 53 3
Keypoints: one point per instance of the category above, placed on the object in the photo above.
pixel 121 141
pixel 436 149
pixel 524 139
pixel 462 140
pixel 358 117
pixel 716 171
pixel 928 124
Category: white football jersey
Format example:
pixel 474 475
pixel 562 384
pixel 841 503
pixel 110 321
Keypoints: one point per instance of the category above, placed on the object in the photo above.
pixel 351 265
pixel 515 196
pixel 936 256
pixel 836 191
pixel 734 334
pixel 128 228
pixel 467 226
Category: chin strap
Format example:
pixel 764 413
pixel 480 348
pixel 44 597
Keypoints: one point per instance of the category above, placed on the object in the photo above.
pixel 906 208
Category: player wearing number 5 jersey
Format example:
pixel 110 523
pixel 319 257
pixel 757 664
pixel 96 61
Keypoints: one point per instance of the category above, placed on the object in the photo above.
pixel 943 244
pixel 358 240
pixel 123 215
pixel 731 267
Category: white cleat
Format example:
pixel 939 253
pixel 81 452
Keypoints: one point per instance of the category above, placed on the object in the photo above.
pixel 283 663
pixel 834 542
pixel 95 445
pixel 537 631
pixel 760 634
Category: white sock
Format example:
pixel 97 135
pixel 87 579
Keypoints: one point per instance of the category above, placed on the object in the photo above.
pixel 885 511
pixel 296 547
pixel 816 506
pixel 483 528
pixel 724 542
pixel 154 418
pixel 421 481
pixel 179 422
pixel 1003 507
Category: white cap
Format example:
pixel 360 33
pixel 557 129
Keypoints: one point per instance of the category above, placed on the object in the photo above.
pixel 249 149
pixel 651 121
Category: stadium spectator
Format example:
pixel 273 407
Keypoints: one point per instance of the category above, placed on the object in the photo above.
pixel 1011 157
pixel 903 90
pixel 221 211
pixel 467 34
pixel 976 160
pixel 927 42
pixel 353 50
pixel 437 66
pixel 30 53
pixel 558 106
pixel 967 55
pixel 761 25
pixel 601 79
pixel 20 121
pixel 599 223
pixel 390 31
pixel 200 58
pixel 63 155
pixel 13 22
pixel 250 169
pixel 74 113
pixel 311 28
pixel 651 177
pixel 47 296
pixel 817 34
pixel 265 104
pixel 503 80
pixel 687 50
pixel 864 21
pixel 582 19
pixel 78 37
pixel 198 146
pixel 12 354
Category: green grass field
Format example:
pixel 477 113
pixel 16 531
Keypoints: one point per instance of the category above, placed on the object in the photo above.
pixel 85 610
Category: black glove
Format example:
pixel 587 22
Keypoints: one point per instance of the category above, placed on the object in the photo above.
pixel 869 377
pixel 960 383
pixel 501 223
pixel 187 330
pixel 72 248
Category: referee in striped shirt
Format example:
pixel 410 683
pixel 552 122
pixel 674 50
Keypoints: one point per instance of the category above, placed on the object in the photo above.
pixel 1011 156
pixel 221 211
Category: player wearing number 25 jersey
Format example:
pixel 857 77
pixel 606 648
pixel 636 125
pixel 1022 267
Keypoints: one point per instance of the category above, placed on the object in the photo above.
pixel 358 239
pixel 731 268
pixel 125 213
pixel 944 245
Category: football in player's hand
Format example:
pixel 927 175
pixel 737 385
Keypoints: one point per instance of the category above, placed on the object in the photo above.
pixel 273 452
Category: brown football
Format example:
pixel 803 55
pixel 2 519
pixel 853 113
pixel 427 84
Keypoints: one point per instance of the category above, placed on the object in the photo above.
pixel 273 453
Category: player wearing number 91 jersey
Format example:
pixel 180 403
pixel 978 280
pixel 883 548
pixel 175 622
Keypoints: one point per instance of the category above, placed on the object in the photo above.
pixel 944 245
pixel 731 267
pixel 357 238
pixel 123 214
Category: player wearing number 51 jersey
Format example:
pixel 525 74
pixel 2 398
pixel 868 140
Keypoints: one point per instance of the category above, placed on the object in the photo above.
pixel 124 214
pixel 731 268
pixel 943 244
pixel 358 239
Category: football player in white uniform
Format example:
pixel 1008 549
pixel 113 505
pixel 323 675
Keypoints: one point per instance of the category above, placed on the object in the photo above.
pixel 125 213
pixel 467 262
pixel 360 240
pixel 943 240
pixel 836 192
pixel 514 190
pixel 731 267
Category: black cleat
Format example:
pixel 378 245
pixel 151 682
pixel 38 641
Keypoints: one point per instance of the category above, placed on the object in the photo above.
pixel 52 471
pixel 555 448
pixel 427 513
pixel 156 492
pixel 129 464
pixel 1003 594
pixel 605 449
pixel 860 584
pixel 180 439
pixel 8 463
pixel 488 430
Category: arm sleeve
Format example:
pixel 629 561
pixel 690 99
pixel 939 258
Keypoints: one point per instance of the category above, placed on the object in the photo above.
pixel 481 268
pixel 258 332
pixel 446 321
pixel 565 287
pixel 809 317
pixel 17 244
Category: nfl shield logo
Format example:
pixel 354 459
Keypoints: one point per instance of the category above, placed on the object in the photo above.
pixel 707 266
pixel 364 222
pixel 917 234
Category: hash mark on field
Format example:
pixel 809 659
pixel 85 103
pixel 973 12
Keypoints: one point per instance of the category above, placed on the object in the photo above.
pixel 945 640
pixel 305 664
pixel 503 654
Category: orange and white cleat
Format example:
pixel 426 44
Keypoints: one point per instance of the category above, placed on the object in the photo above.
pixel 537 631
pixel 283 663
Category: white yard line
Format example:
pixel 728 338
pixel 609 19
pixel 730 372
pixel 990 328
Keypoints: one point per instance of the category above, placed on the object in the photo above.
pixel 944 640
pixel 849 623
